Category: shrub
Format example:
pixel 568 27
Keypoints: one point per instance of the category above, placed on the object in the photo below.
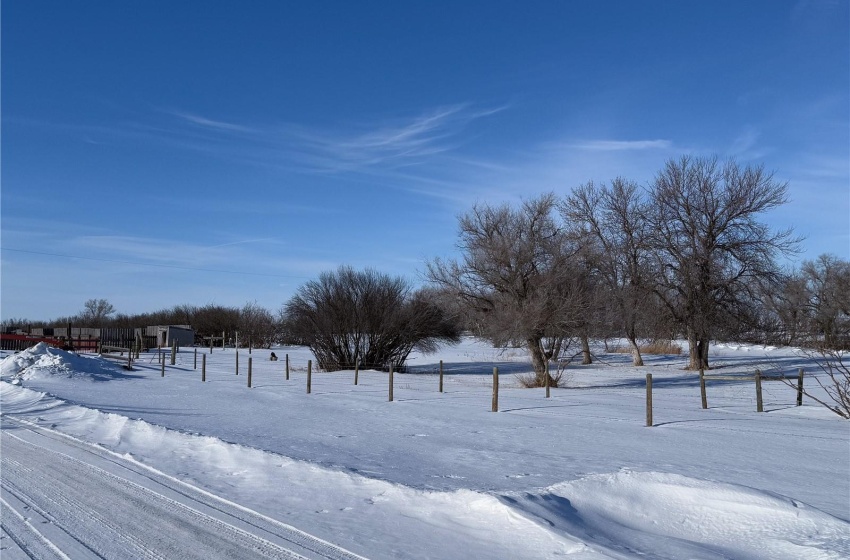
pixel 353 317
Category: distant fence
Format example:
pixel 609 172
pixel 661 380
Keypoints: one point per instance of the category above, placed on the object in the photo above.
pixel 18 342
pixel 80 343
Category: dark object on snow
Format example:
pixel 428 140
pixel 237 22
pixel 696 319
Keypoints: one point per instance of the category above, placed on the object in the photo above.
pixel 273 357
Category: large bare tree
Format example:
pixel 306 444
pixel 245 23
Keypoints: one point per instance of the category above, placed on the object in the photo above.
pixel 612 224
pixel 711 249
pixel 515 274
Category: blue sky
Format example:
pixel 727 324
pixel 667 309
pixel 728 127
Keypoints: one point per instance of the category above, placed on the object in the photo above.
pixel 159 153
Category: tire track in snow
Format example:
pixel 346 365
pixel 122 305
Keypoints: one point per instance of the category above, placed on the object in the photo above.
pixel 30 541
pixel 31 471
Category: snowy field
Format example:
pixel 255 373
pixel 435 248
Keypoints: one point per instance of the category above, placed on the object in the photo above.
pixel 342 472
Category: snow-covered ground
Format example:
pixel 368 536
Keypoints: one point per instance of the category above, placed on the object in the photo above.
pixel 434 475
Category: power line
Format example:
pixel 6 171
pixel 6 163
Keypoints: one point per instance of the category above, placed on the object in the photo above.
pixel 137 263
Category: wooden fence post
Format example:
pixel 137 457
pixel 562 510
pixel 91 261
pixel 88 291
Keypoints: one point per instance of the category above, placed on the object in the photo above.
pixel 495 407
pixel 391 382
pixel 203 367
pixel 649 399
pixel 173 352
pixel 237 362
pixel 287 367
pixel 356 372
pixel 309 376
pixel 441 376
pixel 162 361
pixel 196 358
pixel 250 359
pixel 547 379
pixel 211 343
pixel 759 406
pixel 702 388
pixel 800 388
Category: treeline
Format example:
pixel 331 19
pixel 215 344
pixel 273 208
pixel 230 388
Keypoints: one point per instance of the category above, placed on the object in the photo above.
pixel 255 324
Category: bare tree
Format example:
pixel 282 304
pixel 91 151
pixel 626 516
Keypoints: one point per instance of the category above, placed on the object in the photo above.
pixel 826 283
pixel 96 312
pixel 350 317
pixel 785 311
pixel 711 250
pixel 212 320
pixel 613 225
pixel 516 275
pixel 257 325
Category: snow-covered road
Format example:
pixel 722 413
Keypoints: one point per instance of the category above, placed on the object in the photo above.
pixel 64 498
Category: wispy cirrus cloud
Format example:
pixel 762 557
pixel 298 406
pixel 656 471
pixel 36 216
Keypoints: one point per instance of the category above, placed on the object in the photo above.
pixel 210 123
pixel 366 147
pixel 621 145
pixel 396 143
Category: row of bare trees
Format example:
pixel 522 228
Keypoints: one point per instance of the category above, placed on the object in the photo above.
pixel 686 254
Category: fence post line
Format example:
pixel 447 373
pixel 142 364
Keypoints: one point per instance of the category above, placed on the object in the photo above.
pixel 250 359
pixel 203 367
pixel 287 367
pixel 441 376
pixel 800 388
pixel 702 388
pixel 495 407
pixel 391 382
pixel 309 376
pixel 759 405
pixel 649 400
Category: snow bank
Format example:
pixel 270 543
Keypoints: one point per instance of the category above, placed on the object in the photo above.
pixel 45 360
pixel 387 520
pixel 352 469
pixel 667 515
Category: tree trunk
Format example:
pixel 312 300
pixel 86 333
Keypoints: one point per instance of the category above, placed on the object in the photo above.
pixel 693 352
pixel 538 359
pixel 702 346
pixel 585 350
pixel 637 359
pixel 698 351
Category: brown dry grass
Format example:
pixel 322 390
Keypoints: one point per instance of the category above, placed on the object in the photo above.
pixel 658 347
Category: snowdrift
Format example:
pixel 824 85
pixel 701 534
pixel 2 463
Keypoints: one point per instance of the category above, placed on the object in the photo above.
pixel 666 515
pixel 45 360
